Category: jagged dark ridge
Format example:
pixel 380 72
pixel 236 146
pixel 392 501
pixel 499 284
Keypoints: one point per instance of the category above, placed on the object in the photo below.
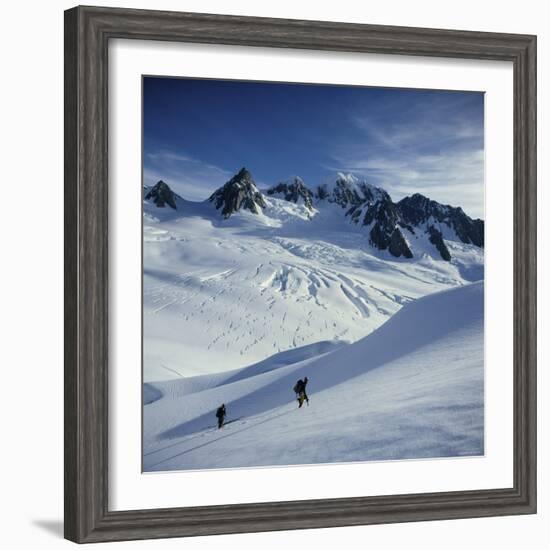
pixel 384 219
pixel 293 190
pixel 418 209
pixel 398 245
pixel 161 194
pixel 389 222
pixel 348 191
pixel 240 192
pixel 436 238
pixel 417 214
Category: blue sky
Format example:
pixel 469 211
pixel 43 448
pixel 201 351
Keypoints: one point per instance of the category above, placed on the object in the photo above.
pixel 198 133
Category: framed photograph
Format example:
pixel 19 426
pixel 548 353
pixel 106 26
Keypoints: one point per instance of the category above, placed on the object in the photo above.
pixel 300 278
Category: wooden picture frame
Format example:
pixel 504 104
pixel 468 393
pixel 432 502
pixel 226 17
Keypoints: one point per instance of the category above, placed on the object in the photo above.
pixel 87 34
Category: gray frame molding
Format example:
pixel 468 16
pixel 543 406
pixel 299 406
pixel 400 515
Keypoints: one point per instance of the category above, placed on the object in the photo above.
pixel 87 34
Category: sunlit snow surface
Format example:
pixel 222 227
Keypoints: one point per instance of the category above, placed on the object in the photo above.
pixel 236 310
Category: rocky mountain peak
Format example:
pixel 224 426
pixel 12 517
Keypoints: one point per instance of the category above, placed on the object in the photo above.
pixel 390 223
pixel 419 210
pixel 293 190
pixel 161 195
pixel 240 192
pixel 391 226
pixel 243 176
pixel 347 190
pixel 380 215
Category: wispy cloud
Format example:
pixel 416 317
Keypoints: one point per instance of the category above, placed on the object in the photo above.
pixel 187 176
pixel 434 150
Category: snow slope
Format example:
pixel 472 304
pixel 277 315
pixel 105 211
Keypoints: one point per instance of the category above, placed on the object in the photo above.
pixel 411 389
pixel 223 294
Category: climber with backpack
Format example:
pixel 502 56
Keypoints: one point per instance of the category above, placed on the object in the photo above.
pixel 220 415
pixel 300 391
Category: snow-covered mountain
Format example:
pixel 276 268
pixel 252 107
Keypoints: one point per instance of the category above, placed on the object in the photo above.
pixel 419 211
pixel 246 275
pixel 411 389
pixel 240 192
pixel 161 195
pixel 293 190
pixel 392 226
pixel 348 190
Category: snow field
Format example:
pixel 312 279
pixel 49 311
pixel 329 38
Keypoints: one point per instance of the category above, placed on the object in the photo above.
pixel 222 294
pixel 411 389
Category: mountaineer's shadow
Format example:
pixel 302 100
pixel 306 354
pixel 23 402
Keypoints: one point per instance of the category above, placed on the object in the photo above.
pixel 216 439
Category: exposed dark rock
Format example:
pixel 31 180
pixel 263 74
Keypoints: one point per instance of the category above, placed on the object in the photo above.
pixel 398 245
pixel 379 238
pixel 389 223
pixel 161 195
pixel 436 238
pixel 347 191
pixel 292 191
pixel 384 218
pixel 384 213
pixel 240 192
pixel 355 213
pixel 467 229
pixel 417 209
pixel 416 214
